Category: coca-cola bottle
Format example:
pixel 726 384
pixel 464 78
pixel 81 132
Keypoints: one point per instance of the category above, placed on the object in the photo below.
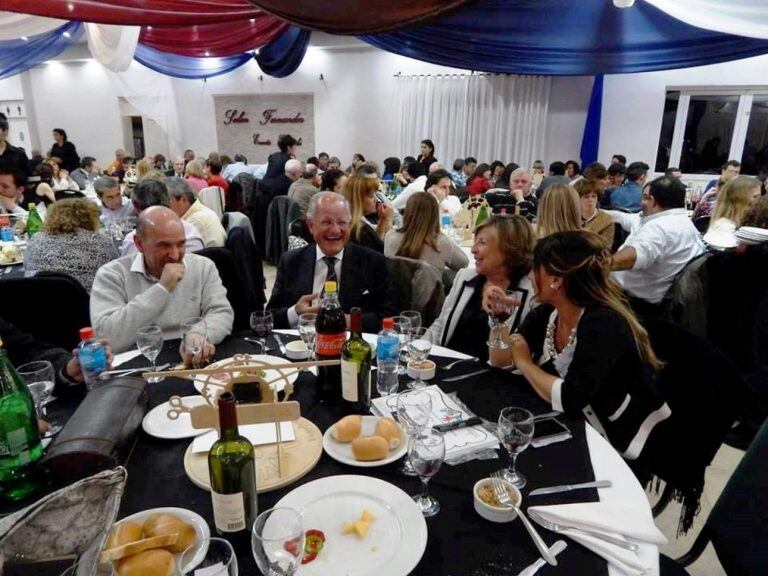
pixel 331 329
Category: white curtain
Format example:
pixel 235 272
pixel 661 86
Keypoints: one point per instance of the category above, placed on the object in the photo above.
pixel 739 17
pixel 13 26
pixel 499 117
pixel 113 46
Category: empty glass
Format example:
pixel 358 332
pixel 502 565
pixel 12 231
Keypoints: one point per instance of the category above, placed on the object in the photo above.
pixel 502 309
pixel 212 557
pixel 261 324
pixel 40 379
pixel 413 316
pixel 414 411
pixel 515 433
pixel 307 331
pixel 149 341
pixel 426 454
pixel 419 347
pixel 277 541
pixel 194 332
pixel 402 326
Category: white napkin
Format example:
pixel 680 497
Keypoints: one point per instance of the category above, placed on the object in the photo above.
pixel 257 433
pixel 123 357
pixel 631 523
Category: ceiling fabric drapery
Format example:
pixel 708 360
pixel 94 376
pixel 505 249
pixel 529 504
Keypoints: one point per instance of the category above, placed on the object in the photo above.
pixel 741 17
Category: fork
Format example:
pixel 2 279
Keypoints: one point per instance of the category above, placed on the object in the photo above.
pixel 503 496
pixel 599 535
pixel 452 364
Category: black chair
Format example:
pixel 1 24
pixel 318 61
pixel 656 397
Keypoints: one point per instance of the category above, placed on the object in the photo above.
pixel 249 264
pixel 619 237
pixel 230 277
pixel 702 224
pixel 29 304
pixel 417 286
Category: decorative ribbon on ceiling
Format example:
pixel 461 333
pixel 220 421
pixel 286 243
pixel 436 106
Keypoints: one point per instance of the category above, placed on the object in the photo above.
pixel 16 56
pixel 740 17
pixel 186 67
pixel 14 26
pixel 283 56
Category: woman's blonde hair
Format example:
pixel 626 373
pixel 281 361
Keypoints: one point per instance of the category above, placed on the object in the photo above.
pixel 356 189
pixel 143 167
pixel 194 168
pixel 421 225
pixel 734 199
pixel 66 216
pixel 559 210
pixel 516 239
pixel 582 260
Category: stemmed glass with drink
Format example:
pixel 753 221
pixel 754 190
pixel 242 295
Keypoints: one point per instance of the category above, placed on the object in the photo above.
pixel 149 341
pixel 419 347
pixel 308 331
pixel 515 432
pixel 426 454
pixel 414 410
pixel 402 327
pixel 502 308
pixel 261 324
pixel 194 332
pixel 40 379
pixel 277 541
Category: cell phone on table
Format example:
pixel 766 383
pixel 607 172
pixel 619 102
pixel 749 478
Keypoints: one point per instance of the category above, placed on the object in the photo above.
pixel 549 431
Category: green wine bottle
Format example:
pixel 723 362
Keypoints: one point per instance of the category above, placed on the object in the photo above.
pixel 34 222
pixel 233 475
pixel 20 445
pixel 356 367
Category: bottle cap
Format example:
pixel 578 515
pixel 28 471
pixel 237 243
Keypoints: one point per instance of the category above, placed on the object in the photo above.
pixel 32 205
pixel 388 323
pixel 330 286
pixel 87 333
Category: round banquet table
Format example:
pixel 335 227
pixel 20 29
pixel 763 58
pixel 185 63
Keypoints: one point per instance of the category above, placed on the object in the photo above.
pixel 460 542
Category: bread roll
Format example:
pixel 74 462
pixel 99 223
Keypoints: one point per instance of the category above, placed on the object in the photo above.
pixel 348 428
pixel 167 541
pixel 163 524
pixel 369 448
pixel 123 533
pixel 149 563
pixel 390 431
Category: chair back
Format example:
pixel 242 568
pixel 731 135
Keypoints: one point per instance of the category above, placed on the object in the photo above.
pixel 619 237
pixel 687 300
pixel 233 220
pixel 246 182
pixel 230 277
pixel 234 198
pixel 282 211
pixel 29 307
pixel 418 286
pixel 213 197
pixel 249 264
pixel 702 224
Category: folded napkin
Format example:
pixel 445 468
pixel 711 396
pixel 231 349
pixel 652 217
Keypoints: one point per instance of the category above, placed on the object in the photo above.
pixel 630 523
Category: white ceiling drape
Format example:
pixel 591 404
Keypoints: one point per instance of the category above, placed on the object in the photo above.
pixel 113 46
pixel 740 17
pixel 14 26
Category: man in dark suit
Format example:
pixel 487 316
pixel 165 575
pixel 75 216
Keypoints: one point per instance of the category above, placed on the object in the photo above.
pixel 361 273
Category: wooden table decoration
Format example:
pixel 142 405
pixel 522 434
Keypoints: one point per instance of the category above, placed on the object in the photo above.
pixel 466 220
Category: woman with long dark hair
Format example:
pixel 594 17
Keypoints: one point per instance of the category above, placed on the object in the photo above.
pixel 479 182
pixel 64 149
pixel 426 154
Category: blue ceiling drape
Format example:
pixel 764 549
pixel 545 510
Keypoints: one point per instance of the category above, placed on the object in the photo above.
pixel 186 66
pixel 552 37
pixel 17 56
pixel 283 55
pixel 590 142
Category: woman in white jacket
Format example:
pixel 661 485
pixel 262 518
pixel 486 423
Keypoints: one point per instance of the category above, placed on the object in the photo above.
pixel 503 252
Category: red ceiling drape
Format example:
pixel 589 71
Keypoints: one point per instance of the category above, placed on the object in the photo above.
pixel 358 16
pixel 204 40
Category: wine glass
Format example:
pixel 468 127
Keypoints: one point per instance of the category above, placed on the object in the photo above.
pixel 307 331
pixel 413 316
pixel 261 324
pixel 402 325
pixel 277 541
pixel 426 454
pixel 40 379
pixel 502 308
pixel 419 346
pixel 149 341
pixel 193 336
pixel 414 410
pixel 515 433
pixel 211 556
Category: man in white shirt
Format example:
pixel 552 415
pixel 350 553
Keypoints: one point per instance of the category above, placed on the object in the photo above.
pixel 661 242
pixel 150 192
pixel 187 207
pixel 239 165
pixel 115 208
pixel 415 173
pixel 438 185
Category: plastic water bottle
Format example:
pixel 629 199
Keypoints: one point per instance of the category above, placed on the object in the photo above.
pixel 445 220
pixel 387 356
pixel 92 357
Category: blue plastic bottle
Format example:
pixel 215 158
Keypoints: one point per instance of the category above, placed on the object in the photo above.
pixel 92 356
pixel 387 356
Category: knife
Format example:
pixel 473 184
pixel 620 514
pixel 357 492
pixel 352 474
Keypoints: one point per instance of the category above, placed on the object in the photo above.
pixel 448 426
pixel 555 549
pixel 279 344
pixel 569 487
pixel 465 376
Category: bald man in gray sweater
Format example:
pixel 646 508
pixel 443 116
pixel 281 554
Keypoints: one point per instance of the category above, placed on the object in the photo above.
pixel 159 285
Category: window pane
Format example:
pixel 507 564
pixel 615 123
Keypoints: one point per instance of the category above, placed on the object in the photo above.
pixel 755 157
pixel 708 133
pixel 667 130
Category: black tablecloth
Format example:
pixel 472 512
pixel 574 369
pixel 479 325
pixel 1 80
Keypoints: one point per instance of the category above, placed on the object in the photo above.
pixel 460 543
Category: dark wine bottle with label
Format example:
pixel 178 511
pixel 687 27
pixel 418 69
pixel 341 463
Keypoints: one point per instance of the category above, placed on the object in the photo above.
pixel 331 327
pixel 356 367
pixel 233 476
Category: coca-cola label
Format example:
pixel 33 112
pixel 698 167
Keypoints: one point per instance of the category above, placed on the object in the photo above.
pixel 330 344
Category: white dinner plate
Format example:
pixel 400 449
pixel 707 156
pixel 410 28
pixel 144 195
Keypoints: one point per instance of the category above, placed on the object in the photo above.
pixel 202 532
pixel 156 423
pixel 342 451
pixel 291 373
pixel 394 543
pixel 12 263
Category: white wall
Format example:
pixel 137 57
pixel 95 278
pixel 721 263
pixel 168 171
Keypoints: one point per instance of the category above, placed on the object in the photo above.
pixel 10 88
pixel 633 104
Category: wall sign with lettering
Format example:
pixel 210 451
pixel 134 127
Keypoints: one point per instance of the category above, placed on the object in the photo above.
pixel 250 124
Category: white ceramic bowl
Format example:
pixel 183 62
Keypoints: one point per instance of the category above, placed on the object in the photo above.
pixel 425 370
pixel 296 350
pixel 493 513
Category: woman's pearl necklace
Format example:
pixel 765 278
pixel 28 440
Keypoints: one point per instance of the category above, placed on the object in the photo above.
pixel 549 340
